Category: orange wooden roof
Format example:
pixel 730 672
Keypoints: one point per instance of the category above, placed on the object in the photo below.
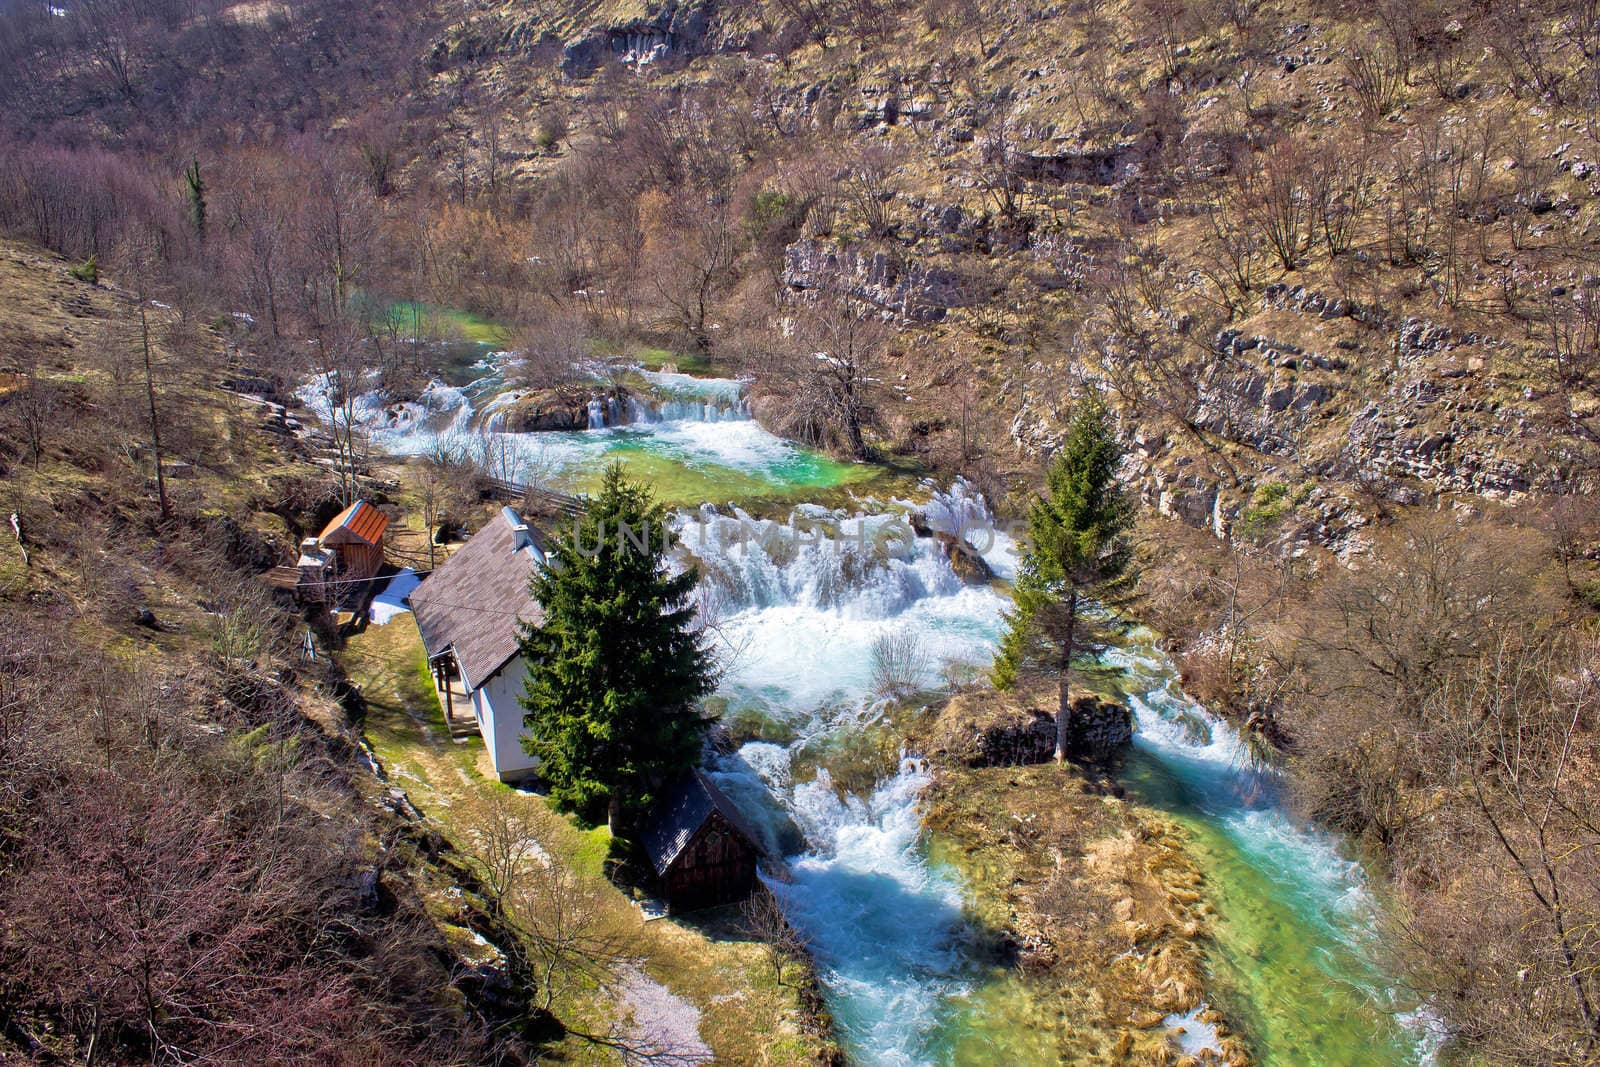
pixel 361 519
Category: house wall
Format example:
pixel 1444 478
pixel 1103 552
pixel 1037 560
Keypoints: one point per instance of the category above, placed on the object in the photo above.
pixel 498 709
pixel 717 867
pixel 359 560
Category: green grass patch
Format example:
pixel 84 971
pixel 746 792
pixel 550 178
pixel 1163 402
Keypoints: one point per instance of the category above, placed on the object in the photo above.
pixel 1270 502
pixel 413 318
pixel 686 362
pixel 744 1015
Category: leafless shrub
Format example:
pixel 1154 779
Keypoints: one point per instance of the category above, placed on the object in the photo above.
pixel 1339 188
pixel 575 939
pixel 1280 201
pixel 899 664
pixel 1376 75
pixel 825 375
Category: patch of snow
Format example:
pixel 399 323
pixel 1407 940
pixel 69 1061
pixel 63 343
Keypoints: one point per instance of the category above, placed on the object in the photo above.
pixel 392 601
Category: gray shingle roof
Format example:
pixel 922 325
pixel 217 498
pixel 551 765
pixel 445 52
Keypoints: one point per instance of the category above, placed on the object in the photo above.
pixel 473 602
pixel 679 818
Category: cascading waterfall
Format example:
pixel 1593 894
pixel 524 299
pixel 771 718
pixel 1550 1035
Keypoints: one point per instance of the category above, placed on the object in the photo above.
pixel 804 601
pixel 799 605
pixel 1284 893
pixel 404 427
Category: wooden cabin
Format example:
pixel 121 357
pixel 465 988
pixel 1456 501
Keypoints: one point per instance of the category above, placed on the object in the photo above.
pixel 702 850
pixel 355 537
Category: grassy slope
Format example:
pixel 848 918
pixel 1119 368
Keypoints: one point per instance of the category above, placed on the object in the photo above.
pixel 744 1016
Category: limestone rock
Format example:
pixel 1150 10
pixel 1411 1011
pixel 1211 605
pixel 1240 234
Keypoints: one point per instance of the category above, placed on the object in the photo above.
pixel 980 730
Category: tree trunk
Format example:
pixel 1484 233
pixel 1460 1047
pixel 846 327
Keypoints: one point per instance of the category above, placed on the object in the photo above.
pixel 614 814
pixel 1064 675
pixel 150 396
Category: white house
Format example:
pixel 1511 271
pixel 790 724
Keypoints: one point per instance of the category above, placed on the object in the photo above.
pixel 468 612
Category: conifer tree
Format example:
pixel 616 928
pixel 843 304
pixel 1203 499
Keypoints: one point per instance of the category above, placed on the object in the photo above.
pixel 1075 564
pixel 615 669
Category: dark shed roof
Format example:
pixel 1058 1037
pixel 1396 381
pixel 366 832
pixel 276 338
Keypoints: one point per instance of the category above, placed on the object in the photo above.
pixel 685 811
pixel 473 602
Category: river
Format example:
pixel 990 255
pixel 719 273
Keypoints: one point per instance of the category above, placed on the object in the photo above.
pixel 798 606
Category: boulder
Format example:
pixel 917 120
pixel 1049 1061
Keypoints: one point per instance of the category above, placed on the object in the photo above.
pixel 1098 728
pixel 981 730
pixel 545 410
pixel 964 560
pixel 969 566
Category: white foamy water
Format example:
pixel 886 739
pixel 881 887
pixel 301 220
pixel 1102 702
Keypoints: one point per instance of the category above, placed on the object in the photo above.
pixel 698 422
pixel 800 604
pixel 798 608
pixel 404 427
pixel 1327 888
pixel 882 924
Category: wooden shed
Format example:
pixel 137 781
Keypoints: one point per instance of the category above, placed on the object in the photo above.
pixel 355 536
pixel 702 850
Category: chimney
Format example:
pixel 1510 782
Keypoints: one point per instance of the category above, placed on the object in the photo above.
pixel 521 535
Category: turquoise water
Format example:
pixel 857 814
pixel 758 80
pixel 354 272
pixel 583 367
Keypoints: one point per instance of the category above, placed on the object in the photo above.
pixel 692 442
pixel 1292 960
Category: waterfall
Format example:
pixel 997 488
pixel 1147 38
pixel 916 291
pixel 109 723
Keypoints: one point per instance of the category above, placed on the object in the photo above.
pixel 641 412
pixel 799 604
pixel 882 925
pixel 401 427
pixel 682 398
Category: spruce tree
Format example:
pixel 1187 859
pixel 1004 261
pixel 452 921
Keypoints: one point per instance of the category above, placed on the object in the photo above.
pixel 1075 564
pixel 615 670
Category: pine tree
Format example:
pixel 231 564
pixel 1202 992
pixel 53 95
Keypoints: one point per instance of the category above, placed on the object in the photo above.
pixel 1075 564
pixel 615 671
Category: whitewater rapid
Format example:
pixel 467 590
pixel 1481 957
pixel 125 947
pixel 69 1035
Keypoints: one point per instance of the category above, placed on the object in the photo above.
pixel 795 608
pixel 798 606
pixel 697 423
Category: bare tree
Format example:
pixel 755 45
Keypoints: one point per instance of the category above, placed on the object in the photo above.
pixel 785 944
pixel 1376 74
pixel 1278 202
pixel 825 374
pixel 868 188
pixel 899 664
pixel 574 938
pixel 1518 725
pixel 33 404
pixel 996 163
